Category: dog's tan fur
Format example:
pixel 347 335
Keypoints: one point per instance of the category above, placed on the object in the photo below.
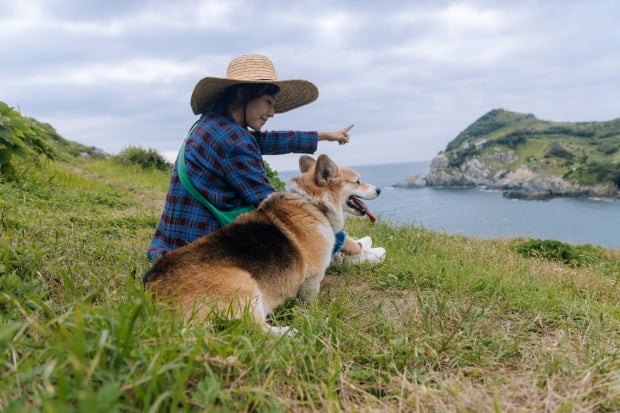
pixel 266 256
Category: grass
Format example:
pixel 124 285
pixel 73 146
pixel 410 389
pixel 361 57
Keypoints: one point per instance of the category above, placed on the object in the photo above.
pixel 447 323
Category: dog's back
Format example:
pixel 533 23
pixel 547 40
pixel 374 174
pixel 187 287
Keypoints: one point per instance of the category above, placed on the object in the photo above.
pixel 258 261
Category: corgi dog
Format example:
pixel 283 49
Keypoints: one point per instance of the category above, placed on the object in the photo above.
pixel 266 256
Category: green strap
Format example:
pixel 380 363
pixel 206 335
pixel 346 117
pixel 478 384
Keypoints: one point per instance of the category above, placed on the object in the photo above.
pixel 223 217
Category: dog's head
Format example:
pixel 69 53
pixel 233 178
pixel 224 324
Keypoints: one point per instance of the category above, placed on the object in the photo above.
pixel 334 189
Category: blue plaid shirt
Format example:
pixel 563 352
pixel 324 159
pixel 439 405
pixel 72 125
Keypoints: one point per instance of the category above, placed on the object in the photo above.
pixel 224 162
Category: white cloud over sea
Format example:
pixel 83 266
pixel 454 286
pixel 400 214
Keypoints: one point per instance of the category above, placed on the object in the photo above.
pixel 410 74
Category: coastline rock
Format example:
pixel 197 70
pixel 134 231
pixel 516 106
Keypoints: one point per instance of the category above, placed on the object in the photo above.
pixel 525 184
pixel 411 181
pixel 527 196
pixel 491 172
pixel 473 172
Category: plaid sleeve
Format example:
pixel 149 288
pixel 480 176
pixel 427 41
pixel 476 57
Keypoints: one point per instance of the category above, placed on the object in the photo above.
pixel 281 142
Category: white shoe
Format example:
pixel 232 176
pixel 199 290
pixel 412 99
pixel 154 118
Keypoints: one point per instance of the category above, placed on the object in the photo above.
pixel 369 255
pixel 365 242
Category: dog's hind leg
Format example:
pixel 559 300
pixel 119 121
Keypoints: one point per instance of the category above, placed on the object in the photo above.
pixel 260 311
pixel 310 287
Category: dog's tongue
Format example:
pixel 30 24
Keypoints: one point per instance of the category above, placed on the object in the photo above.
pixel 370 215
pixel 366 210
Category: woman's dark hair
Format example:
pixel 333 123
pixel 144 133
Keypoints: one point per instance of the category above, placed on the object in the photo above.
pixel 251 91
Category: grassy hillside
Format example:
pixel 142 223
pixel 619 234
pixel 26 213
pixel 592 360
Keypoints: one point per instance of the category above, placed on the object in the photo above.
pixel 27 138
pixel 586 151
pixel 447 323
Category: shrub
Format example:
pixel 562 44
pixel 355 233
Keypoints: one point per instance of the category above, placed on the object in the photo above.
pixel 457 157
pixel 571 131
pixel 514 139
pixel 274 178
pixel 145 158
pixel 21 136
pixel 608 148
pixel 574 255
pixel 595 173
pixel 556 150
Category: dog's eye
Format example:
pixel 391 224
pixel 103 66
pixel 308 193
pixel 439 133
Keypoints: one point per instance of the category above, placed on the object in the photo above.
pixel 358 182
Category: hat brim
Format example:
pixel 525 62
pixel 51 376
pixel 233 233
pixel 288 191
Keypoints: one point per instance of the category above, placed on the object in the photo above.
pixel 293 93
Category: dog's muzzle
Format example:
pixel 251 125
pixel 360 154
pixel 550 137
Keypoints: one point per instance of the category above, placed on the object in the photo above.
pixel 358 205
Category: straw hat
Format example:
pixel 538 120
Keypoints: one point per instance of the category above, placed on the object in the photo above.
pixel 253 68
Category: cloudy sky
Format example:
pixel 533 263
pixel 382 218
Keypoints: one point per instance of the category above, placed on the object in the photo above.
pixel 409 74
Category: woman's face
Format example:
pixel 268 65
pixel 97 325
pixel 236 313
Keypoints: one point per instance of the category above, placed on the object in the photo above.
pixel 259 111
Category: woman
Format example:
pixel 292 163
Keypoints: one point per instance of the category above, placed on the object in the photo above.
pixel 223 158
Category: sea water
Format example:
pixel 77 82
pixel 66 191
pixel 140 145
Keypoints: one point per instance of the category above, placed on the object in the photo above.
pixel 481 213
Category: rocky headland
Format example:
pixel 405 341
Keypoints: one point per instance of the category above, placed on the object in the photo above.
pixel 528 158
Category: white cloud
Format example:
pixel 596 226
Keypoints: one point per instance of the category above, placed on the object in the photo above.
pixel 217 15
pixel 28 16
pixel 19 16
pixel 410 75
pixel 458 34
pixel 461 17
pixel 334 29
pixel 143 70
pixel 207 15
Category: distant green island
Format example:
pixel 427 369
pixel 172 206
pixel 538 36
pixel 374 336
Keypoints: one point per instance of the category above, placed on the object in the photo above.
pixel 529 158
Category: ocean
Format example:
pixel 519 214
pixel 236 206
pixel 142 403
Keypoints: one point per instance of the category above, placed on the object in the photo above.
pixel 487 214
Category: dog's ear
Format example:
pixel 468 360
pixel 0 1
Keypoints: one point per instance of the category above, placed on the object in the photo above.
pixel 305 163
pixel 325 170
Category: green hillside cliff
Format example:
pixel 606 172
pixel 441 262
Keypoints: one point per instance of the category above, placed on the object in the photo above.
pixel 531 158
pixel 25 138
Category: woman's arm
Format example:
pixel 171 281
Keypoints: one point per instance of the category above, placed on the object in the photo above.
pixel 341 136
pixel 281 142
